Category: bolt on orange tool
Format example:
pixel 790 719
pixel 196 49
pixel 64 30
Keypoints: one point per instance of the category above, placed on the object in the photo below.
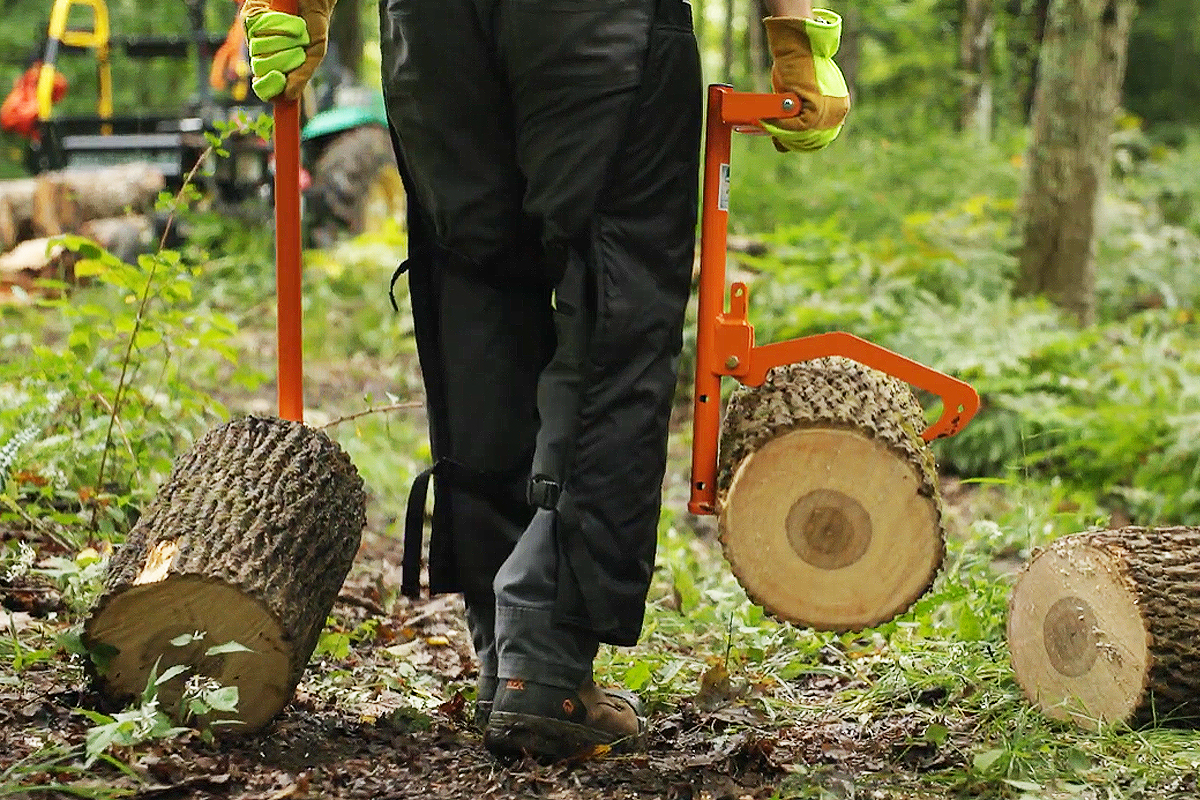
pixel 725 338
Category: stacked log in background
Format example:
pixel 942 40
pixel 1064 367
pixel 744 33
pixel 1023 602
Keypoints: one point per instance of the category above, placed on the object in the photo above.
pixel 109 205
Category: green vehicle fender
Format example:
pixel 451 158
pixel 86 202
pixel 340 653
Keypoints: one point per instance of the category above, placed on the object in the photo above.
pixel 337 120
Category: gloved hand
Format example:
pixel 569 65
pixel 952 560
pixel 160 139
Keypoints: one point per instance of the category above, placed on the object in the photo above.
pixel 285 49
pixel 803 50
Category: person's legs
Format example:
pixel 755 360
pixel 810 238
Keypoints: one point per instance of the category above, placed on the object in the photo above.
pixel 581 571
pixel 481 312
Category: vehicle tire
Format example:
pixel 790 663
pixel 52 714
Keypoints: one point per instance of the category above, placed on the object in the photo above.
pixel 355 184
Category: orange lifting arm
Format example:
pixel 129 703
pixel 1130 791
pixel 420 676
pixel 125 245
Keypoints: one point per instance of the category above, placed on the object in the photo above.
pixel 725 338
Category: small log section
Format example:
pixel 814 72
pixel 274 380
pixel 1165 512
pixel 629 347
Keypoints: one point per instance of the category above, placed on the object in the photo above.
pixel 830 514
pixel 1104 628
pixel 249 541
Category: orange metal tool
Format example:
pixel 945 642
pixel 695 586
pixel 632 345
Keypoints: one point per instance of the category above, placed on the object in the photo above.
pixel 725 338
pixel 287 249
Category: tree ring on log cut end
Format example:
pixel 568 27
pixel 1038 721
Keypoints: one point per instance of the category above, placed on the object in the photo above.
pixel 146 618
pixel 1078 642
pixel 802 471
pixel 1069 635
pixel 829 529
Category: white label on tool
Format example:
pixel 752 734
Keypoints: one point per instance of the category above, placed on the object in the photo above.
pixel 723 191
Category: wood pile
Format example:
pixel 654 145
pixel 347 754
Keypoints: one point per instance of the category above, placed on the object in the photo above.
pixel 109 205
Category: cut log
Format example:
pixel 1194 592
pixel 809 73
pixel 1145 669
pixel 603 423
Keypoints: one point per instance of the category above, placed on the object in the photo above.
pixel 124 237
pixel 1104 627
pixel 829 511
pixel 17 194
pixel 55 207
pixel 248 541
pixel 111 191
pixel 34 260
pixel 57 202
pixel 8 226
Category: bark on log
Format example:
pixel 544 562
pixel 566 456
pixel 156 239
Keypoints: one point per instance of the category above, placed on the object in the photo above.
pixel 34 260
pixel 249 540
pixel 111 191
pixel 55 208
pixel 124 237
pixel 8 226
pixel 1104 627
pixel 830 514
pixel 57 202
pixel 18 195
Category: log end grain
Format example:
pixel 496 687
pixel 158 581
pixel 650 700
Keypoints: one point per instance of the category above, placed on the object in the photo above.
pixel 830 514
pixel 1079 644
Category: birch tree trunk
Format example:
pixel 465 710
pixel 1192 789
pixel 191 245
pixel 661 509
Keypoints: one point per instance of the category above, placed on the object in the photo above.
pixel 974 50
pixel 1081 68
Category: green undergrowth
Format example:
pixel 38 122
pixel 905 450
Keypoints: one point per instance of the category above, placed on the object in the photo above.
pixel 907 243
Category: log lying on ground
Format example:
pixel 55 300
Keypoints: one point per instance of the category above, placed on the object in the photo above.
pixel 59 202
pixel 1104 627
pixel 34 260
pixel 830 514
pixel 248 541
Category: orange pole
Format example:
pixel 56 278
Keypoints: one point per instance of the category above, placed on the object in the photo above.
pixel 287 250
pixel 714 230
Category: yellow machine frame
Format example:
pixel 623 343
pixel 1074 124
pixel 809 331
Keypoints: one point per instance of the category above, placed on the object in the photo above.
pixel 97 39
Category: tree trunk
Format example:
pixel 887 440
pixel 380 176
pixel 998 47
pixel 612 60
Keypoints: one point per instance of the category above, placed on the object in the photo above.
pixel 830 514
pixel 974 62
pixel 1104 627
pixel 249 541
pixel 727 42
pixel 758 62
pixel 850 53
pixel 346 36
pixel 1081 69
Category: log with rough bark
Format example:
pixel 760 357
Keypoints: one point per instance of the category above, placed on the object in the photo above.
pixel 34 260
pixel 830 514
pixel 58 202
pixel 249 541
pixel 1104 627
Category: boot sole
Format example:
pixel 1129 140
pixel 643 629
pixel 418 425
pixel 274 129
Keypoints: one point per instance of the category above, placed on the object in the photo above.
pixel 516 735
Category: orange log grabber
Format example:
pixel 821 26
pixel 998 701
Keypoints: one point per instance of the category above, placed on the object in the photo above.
pixel 288 249
pixel 725 338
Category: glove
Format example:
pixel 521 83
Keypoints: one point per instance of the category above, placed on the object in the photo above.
pixel 803 51
pixel 285 49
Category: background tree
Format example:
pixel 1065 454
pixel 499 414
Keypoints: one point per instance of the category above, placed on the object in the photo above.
pixel 974 57
pixel 1078 89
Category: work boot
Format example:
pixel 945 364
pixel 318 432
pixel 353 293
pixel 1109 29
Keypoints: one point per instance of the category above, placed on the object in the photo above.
pixel 485 692
pixel 548 722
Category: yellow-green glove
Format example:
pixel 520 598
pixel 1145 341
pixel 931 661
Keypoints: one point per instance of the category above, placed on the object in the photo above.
pixel 803 51
pixel 285 49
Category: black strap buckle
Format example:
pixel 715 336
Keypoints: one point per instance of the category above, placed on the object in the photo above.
pixel 543 492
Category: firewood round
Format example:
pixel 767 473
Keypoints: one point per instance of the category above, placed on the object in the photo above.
pixel 1104 627
pixel 829 510
pixel 248 541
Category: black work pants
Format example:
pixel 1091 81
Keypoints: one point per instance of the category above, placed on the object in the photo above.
pixel 550 153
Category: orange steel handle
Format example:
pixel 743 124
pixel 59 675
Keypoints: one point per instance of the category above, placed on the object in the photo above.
pixel 287 249
pixel 725 338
